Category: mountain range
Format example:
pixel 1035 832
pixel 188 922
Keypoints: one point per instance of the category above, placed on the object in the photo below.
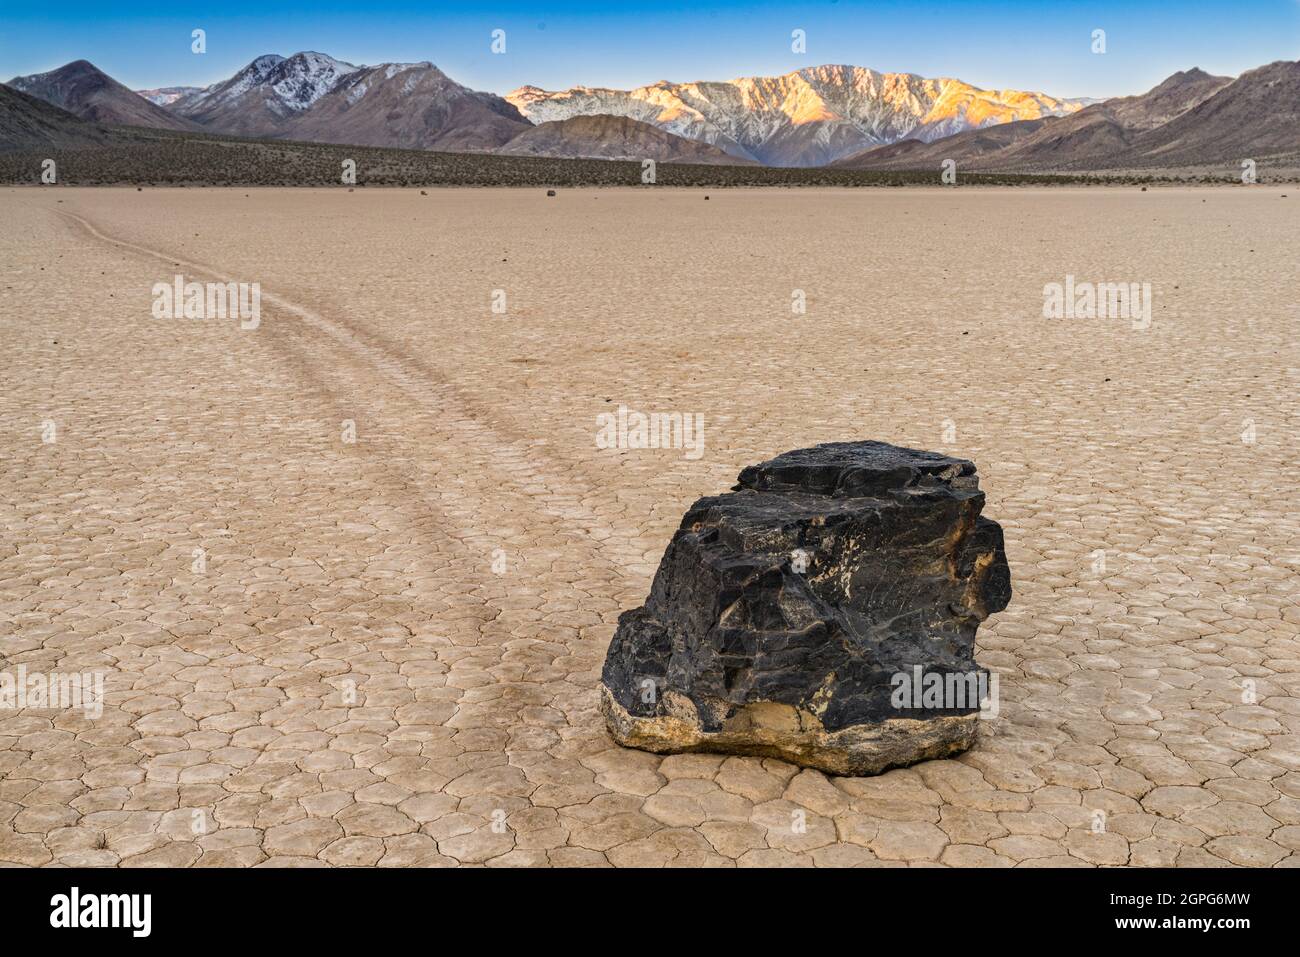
pixel 1190 119
pixel 167 95
pixel 311 96
pixel 843 116
pixel 807 118
pixel 601 136
pixel 83 90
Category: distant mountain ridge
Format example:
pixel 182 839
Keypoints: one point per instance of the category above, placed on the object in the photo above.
pixel 844 116
pixel 262 97
pixel 413 105
pixel 1255 115
pixel 809 117
pixel 613 137
pixel 312 96
pixel 87 92
pixel 167 95
pixel 806 118
pixel 1191 118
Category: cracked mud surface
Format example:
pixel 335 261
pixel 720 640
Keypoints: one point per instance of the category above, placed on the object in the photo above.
pixel 348 680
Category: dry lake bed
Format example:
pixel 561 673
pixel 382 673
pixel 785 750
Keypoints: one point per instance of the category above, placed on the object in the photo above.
pixel 347 568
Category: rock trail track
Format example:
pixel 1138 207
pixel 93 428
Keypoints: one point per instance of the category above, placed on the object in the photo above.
pixel 345 678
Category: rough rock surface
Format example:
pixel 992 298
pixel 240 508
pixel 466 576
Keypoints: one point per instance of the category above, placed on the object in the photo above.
pixel 783 611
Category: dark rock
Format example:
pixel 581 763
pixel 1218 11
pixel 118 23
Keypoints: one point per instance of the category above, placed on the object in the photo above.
pixel 789 615
pixel 550 192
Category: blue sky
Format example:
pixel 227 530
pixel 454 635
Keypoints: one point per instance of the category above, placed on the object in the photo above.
pixel 1038 46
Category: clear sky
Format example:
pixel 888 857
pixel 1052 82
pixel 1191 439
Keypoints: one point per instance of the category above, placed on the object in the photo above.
pixel 1037 46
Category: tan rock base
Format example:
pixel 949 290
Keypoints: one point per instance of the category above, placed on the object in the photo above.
pixel 772 730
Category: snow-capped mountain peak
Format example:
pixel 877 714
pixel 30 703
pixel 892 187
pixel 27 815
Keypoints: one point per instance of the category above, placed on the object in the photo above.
pixel 284 85
pixel 312 96
pixel 167 95
pixel 304 78
pixel 805 118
